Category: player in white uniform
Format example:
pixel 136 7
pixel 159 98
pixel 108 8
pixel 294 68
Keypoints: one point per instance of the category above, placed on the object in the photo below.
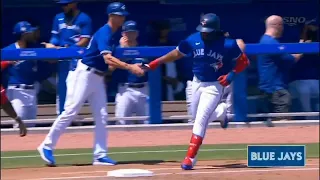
pixel 132 95
pixel 71 28
pixel 89 85
pixel 211 52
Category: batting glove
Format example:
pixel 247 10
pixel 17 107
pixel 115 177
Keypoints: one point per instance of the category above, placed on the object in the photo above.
pixel 225 80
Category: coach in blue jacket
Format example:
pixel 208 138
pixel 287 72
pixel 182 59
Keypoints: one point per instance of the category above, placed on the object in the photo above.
pixel 274 69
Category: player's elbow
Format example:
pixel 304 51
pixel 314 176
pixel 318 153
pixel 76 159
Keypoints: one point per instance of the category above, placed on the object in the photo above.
pixel 241 44
pixel 178 54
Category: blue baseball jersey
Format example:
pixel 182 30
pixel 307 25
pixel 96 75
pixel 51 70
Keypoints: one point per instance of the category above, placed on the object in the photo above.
pixel 23 72
pixel 100 43
pixel 70 33
pixel 209 58
pixel 184 68
pixel 273 69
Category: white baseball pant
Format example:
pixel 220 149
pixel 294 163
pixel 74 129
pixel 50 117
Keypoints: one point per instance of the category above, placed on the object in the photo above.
pixel 228 98
pixel 132 100
pixel 87 85
pixel 70 80
pixel 24 102
pixel 206 106
pixel 189 99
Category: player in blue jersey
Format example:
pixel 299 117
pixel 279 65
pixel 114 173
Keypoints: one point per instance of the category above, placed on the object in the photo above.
pixel 89 85
pixel 71 28
pixel 210 51
pixel 133 94
pixel 22 75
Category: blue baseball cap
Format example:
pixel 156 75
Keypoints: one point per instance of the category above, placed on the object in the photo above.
pixel 117 8
pixel 65 1
pixel 129 26
pixel 23 27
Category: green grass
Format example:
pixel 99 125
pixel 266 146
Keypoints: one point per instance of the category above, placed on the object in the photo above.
pixel 231 152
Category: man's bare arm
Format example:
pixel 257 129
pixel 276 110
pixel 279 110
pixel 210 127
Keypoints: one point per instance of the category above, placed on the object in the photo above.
pixel 169 57
pixel 115 62
pixel 241 44
pixel 83 42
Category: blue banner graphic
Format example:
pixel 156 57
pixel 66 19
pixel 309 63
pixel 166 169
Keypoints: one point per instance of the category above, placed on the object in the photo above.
pixel 276 155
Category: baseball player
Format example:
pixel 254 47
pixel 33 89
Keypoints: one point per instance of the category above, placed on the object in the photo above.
pixel 132 95
pixel 6 104
pixel 227 96
pixel 22 75
pixel 71 28
pixel 89 85
pixel 210 52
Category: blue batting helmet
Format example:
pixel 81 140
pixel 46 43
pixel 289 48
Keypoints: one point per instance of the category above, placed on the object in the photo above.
pixel 23 27
pixel 117 8
pixel 209 23
pixel 129 26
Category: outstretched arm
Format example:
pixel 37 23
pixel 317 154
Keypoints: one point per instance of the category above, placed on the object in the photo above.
pixel 169 57
pixel 182 49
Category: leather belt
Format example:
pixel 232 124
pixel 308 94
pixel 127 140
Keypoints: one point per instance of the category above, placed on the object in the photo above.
pixel 23 86
pixel 95 71
pixel 134 85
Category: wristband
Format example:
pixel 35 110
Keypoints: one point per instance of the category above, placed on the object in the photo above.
pixel 154 64
pixel 230 76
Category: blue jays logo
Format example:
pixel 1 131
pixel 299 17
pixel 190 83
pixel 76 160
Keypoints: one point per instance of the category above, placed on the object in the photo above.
pixel 217 65
pixel 203 23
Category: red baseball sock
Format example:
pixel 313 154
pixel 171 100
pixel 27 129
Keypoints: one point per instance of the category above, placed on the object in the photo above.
pixel 4 98
pixel 195 143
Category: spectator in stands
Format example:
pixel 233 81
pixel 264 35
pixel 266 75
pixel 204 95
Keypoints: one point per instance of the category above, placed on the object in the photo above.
pixel 172 87
pixel 274 69
pixel 305 73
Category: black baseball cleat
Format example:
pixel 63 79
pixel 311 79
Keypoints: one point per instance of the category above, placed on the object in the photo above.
pixel 224 123
pixel 269 123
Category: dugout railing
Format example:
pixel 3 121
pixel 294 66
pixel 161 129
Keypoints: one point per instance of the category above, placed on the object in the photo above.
pixel 156 112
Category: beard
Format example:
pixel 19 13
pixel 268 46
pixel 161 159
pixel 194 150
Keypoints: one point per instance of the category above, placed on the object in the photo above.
pixel 208 37
pixel 69 14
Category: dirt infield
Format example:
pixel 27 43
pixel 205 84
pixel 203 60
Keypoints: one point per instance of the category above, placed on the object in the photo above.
pixel 205 169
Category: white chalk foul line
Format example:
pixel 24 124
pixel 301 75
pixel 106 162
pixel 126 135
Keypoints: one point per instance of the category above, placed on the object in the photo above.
pixel 129 152
pixel 242 171
pixel 155 169
pixel 76 177
pixel 194 172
